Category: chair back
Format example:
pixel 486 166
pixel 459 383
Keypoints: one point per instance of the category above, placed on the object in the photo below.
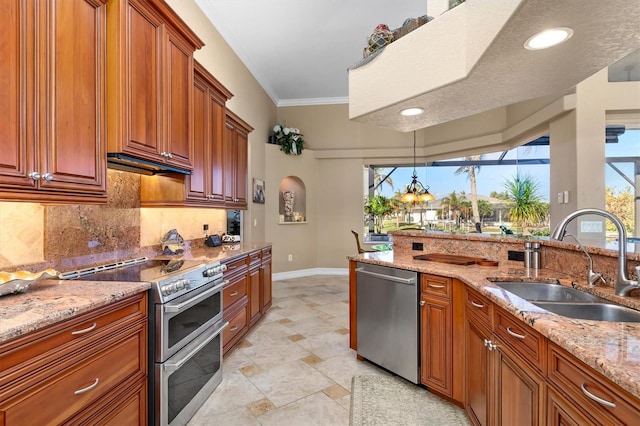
pixel 360 249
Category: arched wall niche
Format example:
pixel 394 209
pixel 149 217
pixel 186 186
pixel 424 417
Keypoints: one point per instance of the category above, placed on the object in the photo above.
pixel 293 200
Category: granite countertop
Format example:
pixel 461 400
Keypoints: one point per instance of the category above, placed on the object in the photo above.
pixel 611 348
pixel 51 301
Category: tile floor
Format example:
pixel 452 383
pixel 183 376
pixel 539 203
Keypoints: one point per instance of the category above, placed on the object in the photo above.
pixel 295 366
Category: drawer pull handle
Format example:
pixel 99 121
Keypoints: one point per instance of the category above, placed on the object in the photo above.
pixel 86 330
pixel 88 388
pixel 514 334
pixel 234 328
pixel 436 286
pixel 235 293
pixel 477 305
pixel 595 398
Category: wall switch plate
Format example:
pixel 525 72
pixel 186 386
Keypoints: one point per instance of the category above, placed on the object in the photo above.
pixel 417 246
pixel 560 198
pixel 590 226
pixel 566 197
pixel 515 255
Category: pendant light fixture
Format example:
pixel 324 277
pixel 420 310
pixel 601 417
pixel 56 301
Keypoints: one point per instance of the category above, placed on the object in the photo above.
pixel 416 191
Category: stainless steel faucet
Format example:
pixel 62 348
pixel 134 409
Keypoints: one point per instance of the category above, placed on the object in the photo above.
pixel 592 277
pixel 624 286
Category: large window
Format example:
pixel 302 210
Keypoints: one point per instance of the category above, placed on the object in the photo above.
pixel 497 192
pixel 622 181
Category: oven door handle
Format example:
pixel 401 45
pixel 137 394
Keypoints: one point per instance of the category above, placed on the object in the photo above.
pixel 168 307
pixel 170 365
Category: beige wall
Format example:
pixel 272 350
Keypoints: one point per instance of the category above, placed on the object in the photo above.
pixel 331 167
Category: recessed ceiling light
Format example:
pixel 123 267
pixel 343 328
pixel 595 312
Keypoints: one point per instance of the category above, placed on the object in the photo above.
pixel 548 38
pixel 411 111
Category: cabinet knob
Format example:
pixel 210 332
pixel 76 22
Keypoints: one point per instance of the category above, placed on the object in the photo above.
pixel 422 303
pixel 34 175
pixel 170 155
pixel 47 177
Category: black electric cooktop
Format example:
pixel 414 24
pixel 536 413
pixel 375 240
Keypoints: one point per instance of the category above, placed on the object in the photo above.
pixel 134 270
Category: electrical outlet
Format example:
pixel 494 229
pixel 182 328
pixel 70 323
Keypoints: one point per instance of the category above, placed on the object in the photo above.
pixel 566 197
pixel 515 255
pixel 560 198
pixel 255 222
pixel 290 258
pixel 417 246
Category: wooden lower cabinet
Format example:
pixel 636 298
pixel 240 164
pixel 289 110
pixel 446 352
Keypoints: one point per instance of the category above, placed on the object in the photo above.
pixel 90 369
pixel 478 371
pixel 500 386
pixel 255 299
pixel 518 390
pixel 562 412
pixel 265 279
pixel 435 346
pixel 247 294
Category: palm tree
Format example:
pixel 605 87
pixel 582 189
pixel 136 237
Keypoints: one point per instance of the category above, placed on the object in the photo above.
pixel 471 171
pixel 454 204
pixel 526 207
pixel 377 206
pixel 378 176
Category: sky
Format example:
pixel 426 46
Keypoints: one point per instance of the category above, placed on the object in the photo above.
pixel 442 181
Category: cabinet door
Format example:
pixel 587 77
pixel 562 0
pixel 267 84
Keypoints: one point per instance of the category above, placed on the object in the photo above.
pixel 478 372
pixel 178 93
pixel 197 183
pixel 216 155
pixel 519 391
pixel 144 75
pixel 266 283
pixel 242 158
pixel 72 93
pixel 254 295
pixel 562 412
pixel 16 105
pixel 436 350
pixel 229 158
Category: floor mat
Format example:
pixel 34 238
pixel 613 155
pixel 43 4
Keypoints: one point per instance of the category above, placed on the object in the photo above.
pixel 381 400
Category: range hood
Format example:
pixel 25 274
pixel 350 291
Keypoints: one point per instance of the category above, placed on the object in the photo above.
pixel 129 163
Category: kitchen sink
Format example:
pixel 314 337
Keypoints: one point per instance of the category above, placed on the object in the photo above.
pixel 570 302
pixel 548 292
pixel 592 311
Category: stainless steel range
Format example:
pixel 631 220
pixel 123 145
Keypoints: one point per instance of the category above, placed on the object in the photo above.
pixel 185 348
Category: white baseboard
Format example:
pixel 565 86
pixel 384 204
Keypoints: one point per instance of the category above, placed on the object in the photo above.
pixel 309 273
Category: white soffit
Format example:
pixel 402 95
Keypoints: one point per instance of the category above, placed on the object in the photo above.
pixel 471 59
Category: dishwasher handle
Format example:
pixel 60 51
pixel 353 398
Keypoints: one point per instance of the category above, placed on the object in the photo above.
pixel 408 281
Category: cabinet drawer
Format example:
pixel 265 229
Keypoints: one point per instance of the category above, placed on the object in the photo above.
pixel 28 353
pixel 436 286
pixel 235 266
pixel 478 305
pixel 254 258
pixel 597 395
pixel 237 324
pixel 524 340
pixel 266 252
pixel 234 291
pixel 63 395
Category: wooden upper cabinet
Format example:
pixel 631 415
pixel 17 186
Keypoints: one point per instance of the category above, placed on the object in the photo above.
pixel 205 185
pixel 150 77
pixel 235 154
pixel 53 67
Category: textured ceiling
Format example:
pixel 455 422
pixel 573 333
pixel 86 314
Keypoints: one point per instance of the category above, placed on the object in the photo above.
pixel 505 73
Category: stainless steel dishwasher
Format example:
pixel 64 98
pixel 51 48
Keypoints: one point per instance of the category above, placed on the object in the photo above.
pixel 387 314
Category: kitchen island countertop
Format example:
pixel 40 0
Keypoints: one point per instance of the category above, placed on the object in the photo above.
pixel 611 348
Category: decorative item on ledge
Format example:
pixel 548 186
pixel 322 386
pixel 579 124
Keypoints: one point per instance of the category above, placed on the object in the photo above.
pixel 289 139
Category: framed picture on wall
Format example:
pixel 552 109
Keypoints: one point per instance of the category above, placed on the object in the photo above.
pixel 258 191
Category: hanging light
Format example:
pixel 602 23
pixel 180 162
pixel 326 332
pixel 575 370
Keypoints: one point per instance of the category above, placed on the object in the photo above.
pixel 416 191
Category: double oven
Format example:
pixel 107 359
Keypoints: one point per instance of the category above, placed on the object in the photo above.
pixel 185 338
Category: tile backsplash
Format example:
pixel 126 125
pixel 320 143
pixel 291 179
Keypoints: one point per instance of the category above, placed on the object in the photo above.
pixel 34 236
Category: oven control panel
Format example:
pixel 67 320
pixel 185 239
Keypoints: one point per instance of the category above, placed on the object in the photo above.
pixel 213 270
pixel 175 286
